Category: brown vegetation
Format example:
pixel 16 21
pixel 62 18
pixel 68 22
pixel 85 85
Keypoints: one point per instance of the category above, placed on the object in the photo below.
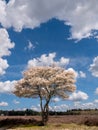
pixel 13 121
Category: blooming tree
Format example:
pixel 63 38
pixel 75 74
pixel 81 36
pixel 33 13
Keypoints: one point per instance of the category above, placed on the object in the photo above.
pixel 45 83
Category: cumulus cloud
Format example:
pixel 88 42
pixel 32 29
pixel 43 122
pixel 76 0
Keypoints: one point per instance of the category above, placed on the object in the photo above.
pixel 87 105
pixel 77 104
pixel 78 96
pixel 7 86
pixel 36 108
pixel 30 46
pixel 62 107
pixel 80 15
pixel 2 10
pixel 73 71
pixel 96 100
pixel 94 67
pixel 81 74
pixel 5 43
pixel 16 102
pixel 96 91
pixel 3 65
pixel 56 99
pixel 5 46
pixel 48 60
pixel 3 104
pixel 28 13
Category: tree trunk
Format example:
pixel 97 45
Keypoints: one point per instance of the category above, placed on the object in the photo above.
pixel 45 115
pixel 44 110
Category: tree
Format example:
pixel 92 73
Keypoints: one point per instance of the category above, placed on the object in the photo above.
pixel 45 83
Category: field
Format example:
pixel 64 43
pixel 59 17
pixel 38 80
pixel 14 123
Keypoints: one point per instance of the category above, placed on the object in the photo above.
pixel 57 127
pixel 66 122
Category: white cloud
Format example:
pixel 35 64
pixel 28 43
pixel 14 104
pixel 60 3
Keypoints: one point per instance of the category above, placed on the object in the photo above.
pixel 80 61
pixel 73 71
pixel 62 107
pixel 80 15
pixel 3 65
pixel 16 102
pixel 2 11
pixel 96 100
pixel 94 67
pixel 77 104
pixel 96 91
pixel 28 13
pixel 81 74
pixel 47 60
pixel 7 86
pixel 3 104
pixel 35 108
pixel 89 105
pixel 5 45
pixel 30 46
pixel 78 96
pixel 56 99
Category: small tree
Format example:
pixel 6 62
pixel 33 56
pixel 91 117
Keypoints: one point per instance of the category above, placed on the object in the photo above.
pixel 45 83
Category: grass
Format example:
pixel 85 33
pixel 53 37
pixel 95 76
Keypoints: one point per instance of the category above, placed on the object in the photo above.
pixel 57 127
pixel 70 122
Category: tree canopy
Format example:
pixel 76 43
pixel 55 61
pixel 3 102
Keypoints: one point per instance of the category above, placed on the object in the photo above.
pixel 45 83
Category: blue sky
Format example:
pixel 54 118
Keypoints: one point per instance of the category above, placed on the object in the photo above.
pixel 32 30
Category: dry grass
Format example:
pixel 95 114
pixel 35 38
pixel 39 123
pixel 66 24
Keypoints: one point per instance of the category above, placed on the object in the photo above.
pixel 68 122
pixel 58 127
